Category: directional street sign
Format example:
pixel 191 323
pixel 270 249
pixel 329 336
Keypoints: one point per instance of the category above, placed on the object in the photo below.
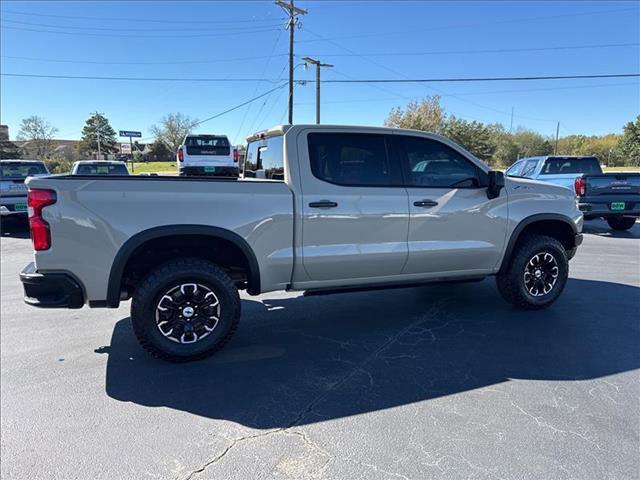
pixel 127 133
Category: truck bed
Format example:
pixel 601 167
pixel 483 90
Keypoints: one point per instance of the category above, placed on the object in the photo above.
pixel 94 216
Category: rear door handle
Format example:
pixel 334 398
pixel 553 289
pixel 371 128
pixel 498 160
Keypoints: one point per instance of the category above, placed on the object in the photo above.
pixel 323 204
pixel 425 203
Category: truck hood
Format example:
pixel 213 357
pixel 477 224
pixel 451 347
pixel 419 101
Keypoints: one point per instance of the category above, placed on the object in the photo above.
pixel 526 185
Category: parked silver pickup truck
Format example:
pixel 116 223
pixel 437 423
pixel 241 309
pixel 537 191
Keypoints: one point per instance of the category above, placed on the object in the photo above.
pixel 320 209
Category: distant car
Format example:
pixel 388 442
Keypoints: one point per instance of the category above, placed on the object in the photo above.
pixel 13 192
pixel 610 196
pixel 207 155
pixel 99 167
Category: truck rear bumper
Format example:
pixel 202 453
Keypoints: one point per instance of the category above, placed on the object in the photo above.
pixel 595 208
pixel 217 171
pixel 50 290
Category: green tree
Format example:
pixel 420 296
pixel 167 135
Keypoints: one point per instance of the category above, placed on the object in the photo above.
pixel 38 136
pixel 474 136
pixel 172 129
pixel 629 146
pixel 97 125
pixel 531 144
pixel 160 151
pixel 59 163
pixel 427 115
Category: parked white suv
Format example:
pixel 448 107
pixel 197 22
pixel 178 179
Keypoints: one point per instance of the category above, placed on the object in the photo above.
pixel 207 155
pixel 99 167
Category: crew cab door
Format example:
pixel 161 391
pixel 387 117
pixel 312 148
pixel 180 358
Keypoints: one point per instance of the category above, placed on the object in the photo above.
pixel 354 207
pixel 453 226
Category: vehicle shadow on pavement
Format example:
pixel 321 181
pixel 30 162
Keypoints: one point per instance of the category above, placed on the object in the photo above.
pixel 15 228
pixel 304 360
pixel 602 229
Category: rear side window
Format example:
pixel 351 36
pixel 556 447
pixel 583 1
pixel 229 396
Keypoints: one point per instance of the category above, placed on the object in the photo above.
pixel 515 169
pixel 434 164
pixel 94 169
pixel 561 166
pixel 207 145
pixel 529 168
pixel 352 159
pixel 21 169
pixel 265 156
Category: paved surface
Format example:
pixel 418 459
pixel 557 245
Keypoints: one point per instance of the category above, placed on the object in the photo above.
pixel 433 382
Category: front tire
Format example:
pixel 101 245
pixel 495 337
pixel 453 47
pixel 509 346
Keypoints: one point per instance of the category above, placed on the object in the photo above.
pixel 184 310
pixel 621 223
pixel 536 274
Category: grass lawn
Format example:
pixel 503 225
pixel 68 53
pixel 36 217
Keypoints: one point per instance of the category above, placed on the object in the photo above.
pixel 153 167
pixel 622 169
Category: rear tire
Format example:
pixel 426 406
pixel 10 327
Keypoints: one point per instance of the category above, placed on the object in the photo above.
pixel 536 274
pixel 621 223
pixel 185 310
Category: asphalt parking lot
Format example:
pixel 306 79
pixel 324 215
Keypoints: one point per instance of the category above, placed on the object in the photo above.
pixel 431 382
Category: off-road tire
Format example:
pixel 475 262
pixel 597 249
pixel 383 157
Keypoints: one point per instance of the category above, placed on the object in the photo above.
pixel 154 286
pixel 511 283
pixel 621 223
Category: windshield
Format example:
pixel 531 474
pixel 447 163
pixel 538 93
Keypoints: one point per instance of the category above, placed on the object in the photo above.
pixel 21 169
pixel 568 165
pixel 109 169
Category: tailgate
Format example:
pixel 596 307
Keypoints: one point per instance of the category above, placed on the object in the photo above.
pixel 13 188
pixel 613 184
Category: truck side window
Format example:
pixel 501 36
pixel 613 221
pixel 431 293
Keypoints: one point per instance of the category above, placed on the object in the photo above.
pixel 430 163
pixel 352 159
pixel 265 155
pixel 529 168
pixel 515 169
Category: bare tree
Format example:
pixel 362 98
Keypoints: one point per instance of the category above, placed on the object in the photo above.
pixel 172 128
pixel 38 133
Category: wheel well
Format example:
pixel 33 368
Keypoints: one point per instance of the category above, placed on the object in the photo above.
pixel 557 229
pixel 223 252
pixel 561 230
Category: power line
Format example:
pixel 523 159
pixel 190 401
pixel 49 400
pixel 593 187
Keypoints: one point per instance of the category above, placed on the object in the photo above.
pixel 89 34
pixel 493 92
pixel 461 52
pixel 260 57
pixel 483 79
pixel 135 29
pixel 136 20
pixel 355 80
pixel 177 62
pixel 239 106
pixel 470 25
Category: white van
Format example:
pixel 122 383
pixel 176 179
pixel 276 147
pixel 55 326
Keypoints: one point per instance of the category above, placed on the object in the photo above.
pixel 207 155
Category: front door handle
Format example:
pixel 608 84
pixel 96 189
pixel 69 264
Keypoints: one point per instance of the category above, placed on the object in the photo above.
pixel 323 204
pixel 425 203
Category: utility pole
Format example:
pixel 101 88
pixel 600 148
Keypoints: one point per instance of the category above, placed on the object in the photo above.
pixel 511 125
pixel 293 13
pixel 318 65
pixel 555 150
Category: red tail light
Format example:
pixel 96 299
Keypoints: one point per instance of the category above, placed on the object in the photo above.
pixel 580 186
pixel 180 155
pixel 235 155
pixel 40 233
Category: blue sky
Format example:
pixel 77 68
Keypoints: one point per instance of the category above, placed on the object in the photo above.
pixel 374 39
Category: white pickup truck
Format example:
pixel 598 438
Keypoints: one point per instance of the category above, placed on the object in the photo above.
pixel 320 209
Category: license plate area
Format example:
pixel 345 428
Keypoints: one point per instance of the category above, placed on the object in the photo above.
pixel 210 169
pixel 616 206
pixel 21 207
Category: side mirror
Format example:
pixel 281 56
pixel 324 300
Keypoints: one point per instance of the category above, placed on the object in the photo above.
pixel 496 183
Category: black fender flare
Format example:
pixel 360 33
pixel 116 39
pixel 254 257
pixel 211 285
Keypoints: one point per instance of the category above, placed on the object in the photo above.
pixel 515 235
pixel 127 248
